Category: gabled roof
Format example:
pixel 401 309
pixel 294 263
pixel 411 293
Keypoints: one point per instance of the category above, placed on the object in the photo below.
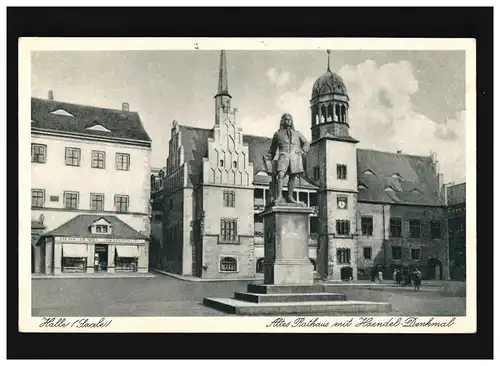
pixel 416 173
pixel 82 119
pixel 79 226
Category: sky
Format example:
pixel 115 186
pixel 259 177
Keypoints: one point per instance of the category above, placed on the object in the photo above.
pixel 413 101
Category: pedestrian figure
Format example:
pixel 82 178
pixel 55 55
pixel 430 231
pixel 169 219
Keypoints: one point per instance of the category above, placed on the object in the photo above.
pixel 380 275
pixel 395 275
pixel 417 279
pixel 398 277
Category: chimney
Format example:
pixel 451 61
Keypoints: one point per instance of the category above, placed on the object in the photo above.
pixel 125 107
pixel 399 151
pixel 51 95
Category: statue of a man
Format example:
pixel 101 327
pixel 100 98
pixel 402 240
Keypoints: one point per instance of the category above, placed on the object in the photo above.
pixel 292 147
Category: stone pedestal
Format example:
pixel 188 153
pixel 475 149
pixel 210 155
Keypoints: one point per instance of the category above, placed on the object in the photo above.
pixel 286 245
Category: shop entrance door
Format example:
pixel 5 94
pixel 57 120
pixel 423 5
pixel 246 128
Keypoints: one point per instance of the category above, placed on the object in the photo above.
pixel 101 258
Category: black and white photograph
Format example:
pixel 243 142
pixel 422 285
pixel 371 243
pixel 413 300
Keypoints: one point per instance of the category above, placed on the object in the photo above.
pixel 256 185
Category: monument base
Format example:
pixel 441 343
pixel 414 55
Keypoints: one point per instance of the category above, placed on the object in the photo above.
pixel 317 299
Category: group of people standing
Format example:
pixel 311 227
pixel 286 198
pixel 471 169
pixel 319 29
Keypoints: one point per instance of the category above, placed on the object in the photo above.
pixel 408 277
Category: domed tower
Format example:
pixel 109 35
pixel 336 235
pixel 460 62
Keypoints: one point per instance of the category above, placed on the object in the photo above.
pixel 329 106
pixel 332 165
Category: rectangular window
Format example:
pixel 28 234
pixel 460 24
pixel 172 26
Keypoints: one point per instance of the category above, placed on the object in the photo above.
pixel 71 200
pixel 98 159
pixel 396 252
pixel 415 254
pixel 435 229
pixel 228 198
pixel 414 228
pixel 367 225
pixel 121 203
pixel 122 161
pixel 343 255
pixel 343 227
pixel 228 230
pixel 72 156
pixel 395 227
pixel 341 171
pixel 37 198
pixel 54 198
pixel 97 201
pixel 38 153
pixel 228 264
pixel 367 253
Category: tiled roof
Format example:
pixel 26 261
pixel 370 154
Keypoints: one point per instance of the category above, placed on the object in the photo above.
pixel 121 124
pixel 456 194
pixel 411 178
pixel 417 184
pixel 80 226
pixel 195 142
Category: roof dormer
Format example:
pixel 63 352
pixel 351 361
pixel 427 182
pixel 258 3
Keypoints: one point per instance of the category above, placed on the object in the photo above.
pixel 101 226
pixel 100 128
pixel 397 175
pixel 368 172
pixel 62 112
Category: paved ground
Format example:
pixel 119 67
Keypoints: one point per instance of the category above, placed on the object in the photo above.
pixel 167 296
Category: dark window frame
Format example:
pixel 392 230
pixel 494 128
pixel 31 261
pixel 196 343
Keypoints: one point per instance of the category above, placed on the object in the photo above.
pixel 118 205
pixel 229 198
pixel 343 255
pixel 367 227
pixel 343 227
pixel 42 204
pixel 98 159
pixel 341 171
pixel 399 249
pixel 414 258
pixel 72 194
pixel 435 229
pixel 228 264
pixel 367 250
pixel 415 230
pixel 70 159
pixel 37 156
pixel 95 195
pixel 393 227
pixel 228 230
pixel 121 163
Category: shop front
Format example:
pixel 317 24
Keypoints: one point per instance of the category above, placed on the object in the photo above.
pixel 94 253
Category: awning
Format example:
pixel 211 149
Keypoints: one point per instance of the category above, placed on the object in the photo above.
pixel 128 251
pixel 75 250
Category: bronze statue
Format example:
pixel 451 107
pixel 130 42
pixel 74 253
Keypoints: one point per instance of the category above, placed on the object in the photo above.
pixel 293 147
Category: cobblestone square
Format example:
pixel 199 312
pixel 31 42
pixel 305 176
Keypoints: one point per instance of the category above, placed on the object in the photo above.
pixel 167 296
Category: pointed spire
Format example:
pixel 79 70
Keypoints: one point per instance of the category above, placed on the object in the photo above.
pixel 328 68
pixel 222 90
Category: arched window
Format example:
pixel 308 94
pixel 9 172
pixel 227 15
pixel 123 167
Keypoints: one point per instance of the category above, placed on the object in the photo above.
pixel 343 114
pixel 330 113
pixel 314 116
pixel 228 264
pixel 337 113
pixel 313 262
pixel 260 265
pixel 324 113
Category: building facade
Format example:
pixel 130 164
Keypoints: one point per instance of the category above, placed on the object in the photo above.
pixel 372 208
pixel 90 181
pixel 456 204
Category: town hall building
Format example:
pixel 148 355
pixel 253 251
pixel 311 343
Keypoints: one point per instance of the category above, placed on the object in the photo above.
pixel 372 209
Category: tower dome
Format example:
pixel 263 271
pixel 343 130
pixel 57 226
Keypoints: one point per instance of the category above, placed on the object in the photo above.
pixel 329 106
pixel 328 83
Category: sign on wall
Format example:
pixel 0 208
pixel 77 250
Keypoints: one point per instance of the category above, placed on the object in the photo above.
pixel 101 240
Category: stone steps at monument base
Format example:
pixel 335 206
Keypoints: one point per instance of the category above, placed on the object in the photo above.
pixel 271 298
pixel 238 307
pixel 292 289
